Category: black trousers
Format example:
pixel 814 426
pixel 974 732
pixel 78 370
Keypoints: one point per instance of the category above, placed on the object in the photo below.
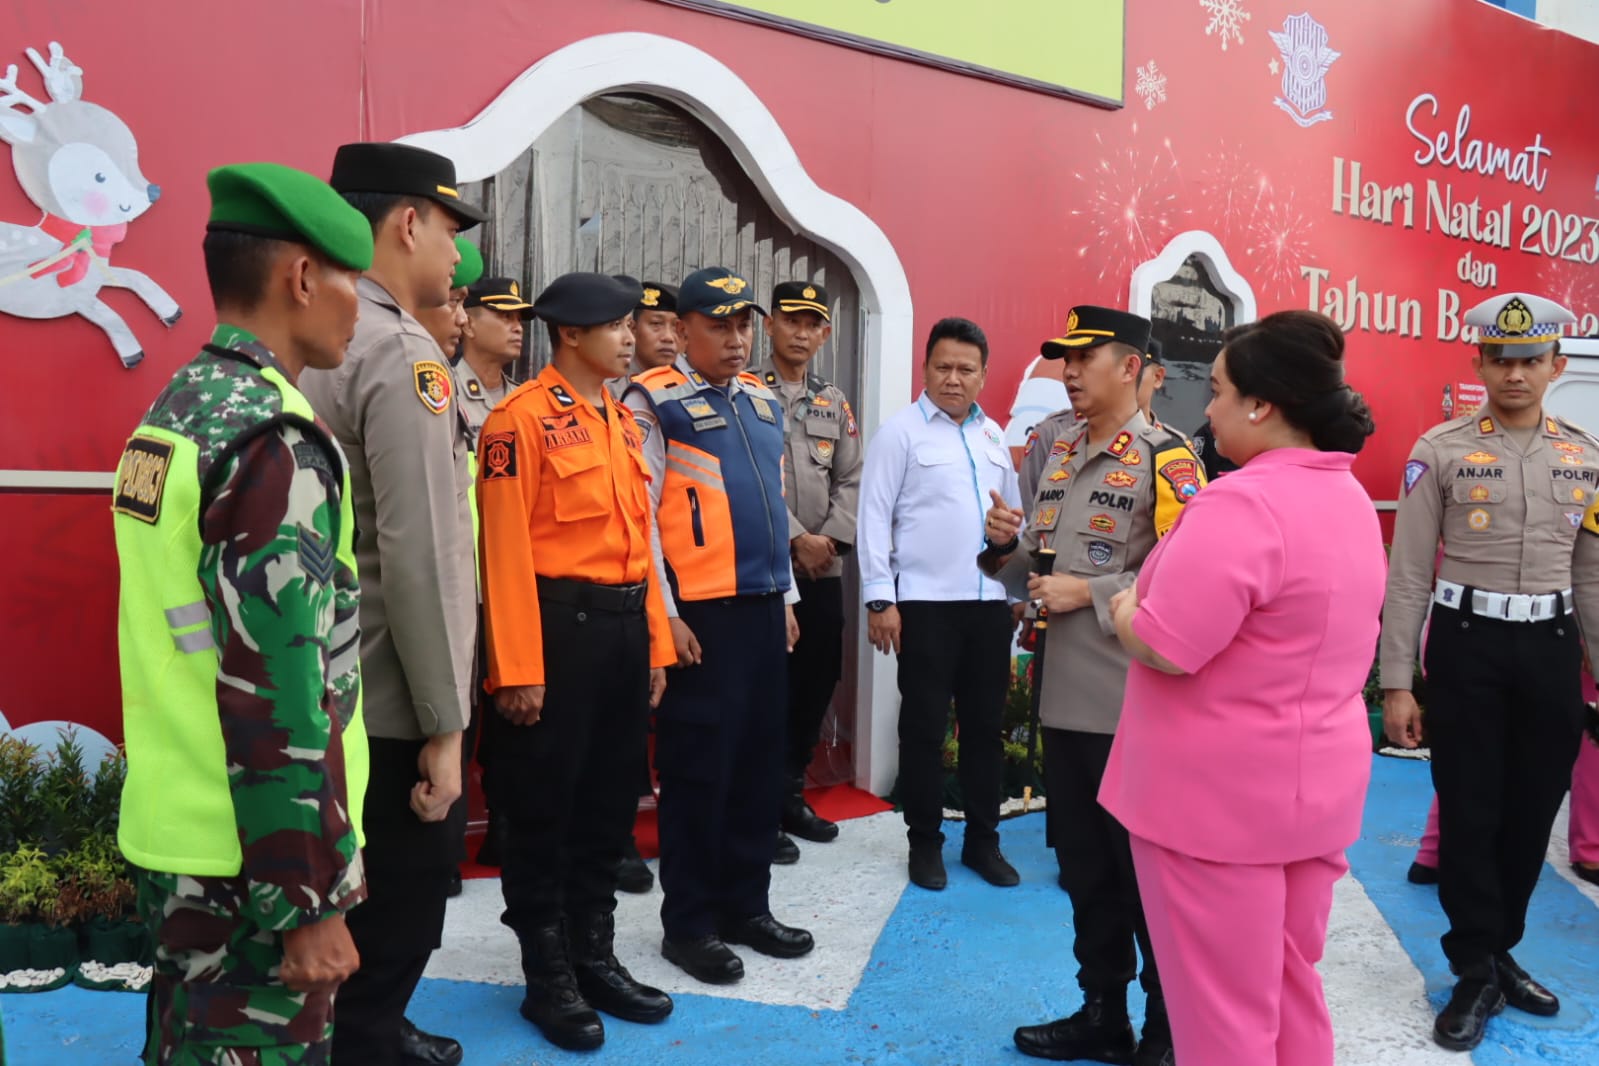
pixel 1096 864
pixel 960 651
pixel 719 753
pixel 814 668
pixel 408 867
pixel 564 786
pixel 1504 711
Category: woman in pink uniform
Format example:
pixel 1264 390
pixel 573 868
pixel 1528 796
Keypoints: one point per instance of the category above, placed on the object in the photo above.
pixel 1241 761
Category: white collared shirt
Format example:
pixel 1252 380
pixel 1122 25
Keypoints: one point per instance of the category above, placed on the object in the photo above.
pixel 924 495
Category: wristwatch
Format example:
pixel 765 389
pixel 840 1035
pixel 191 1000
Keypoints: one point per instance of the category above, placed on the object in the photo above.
pixel 878 606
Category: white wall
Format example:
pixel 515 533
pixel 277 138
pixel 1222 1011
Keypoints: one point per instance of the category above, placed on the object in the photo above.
pixel 1580 18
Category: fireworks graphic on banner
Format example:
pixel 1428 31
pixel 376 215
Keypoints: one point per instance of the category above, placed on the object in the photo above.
pixel 1151 85
pixel 1227 18
pixel 1130 209
pixel 1574 286
pixel 1231 188
pixel 1279 241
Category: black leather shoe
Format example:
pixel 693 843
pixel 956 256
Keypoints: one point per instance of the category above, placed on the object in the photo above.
pixel 991 865
pixel 1586 871
pixel 1422 875
pixel 787 852
pixel 706 959
pixel 926 868
pixel 633 873
pixel 768 936
pixel 1464 1019
pixel 553 1002
pixel 799 820
pixel 1521 991
pixel 424 1049
pixel 1100 1032
pixel 604 981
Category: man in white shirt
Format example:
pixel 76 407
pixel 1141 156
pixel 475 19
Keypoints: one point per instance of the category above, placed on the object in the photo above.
pixel 924 492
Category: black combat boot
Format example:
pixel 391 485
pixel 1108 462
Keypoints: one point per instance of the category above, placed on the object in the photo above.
pixel 1154 1044
pixel 553 1002
pixel 800 820
pixel 1100 1032
pixel 604 981
pixel 633 873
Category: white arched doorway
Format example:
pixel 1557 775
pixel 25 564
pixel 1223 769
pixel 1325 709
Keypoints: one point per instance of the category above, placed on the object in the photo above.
pixel 692 79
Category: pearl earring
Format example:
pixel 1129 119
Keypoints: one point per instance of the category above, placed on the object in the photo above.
pixel 1254 415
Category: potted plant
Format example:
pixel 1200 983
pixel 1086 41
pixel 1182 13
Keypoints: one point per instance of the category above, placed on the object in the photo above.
pixel 36 952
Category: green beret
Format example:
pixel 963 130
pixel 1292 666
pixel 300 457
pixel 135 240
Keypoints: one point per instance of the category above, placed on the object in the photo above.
pixel 270 200
pixel 470 268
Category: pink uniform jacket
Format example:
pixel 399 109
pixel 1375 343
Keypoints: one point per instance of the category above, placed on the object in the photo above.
pixel 1268 593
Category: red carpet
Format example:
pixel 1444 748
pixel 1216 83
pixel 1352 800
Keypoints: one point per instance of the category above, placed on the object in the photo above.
pixel 836 803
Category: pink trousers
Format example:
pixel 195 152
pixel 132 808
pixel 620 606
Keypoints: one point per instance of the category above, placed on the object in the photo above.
pixel 1583 834
pixel 1238 948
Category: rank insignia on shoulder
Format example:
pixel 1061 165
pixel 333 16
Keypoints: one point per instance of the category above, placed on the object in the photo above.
pixel 141 476
pixel 432 385
pixel 1485 425
pixel 770 378
pixel 499 455
pixel 316 555
pixel 1120 479
pixel 1119 446
pixel 562 397
pixel 1132 458
pixel 1551 427
pixel 473 389
pixel 1480 459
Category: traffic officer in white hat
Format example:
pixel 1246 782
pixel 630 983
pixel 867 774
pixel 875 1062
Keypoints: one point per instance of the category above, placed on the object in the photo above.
pixel 1510 493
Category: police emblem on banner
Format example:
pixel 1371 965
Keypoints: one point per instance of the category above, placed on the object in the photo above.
pixel 432 385
pixel 1306 57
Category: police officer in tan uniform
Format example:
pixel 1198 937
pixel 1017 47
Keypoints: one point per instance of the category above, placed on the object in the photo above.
pixel 1118 484
pixel 1510 491
pixel 490 343
pixel 392 408
pixel 654 332
pixel 823 459
pixel 1040 449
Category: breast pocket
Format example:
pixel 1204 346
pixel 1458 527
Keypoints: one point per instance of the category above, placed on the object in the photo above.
pixel 821 439
pixel 1572 485
pixel 1099 541
pixel 583 486
pixel 1480 501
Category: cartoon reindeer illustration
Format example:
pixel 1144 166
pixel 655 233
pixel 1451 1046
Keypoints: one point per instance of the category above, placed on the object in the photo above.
pixel 79 164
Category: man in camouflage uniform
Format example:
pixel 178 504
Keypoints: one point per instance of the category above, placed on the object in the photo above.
pixel 246 753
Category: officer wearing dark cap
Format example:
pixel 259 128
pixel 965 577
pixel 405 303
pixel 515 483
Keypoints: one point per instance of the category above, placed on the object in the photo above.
pixel 1108 492
pixel 823 452
pixel 247 763
pixel 654 324
pixel 490 343
pixel 392 408
pixel 725 559
pixel 578 640
pixel 1510 492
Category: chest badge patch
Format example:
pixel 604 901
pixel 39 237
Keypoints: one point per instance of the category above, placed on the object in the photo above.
pixel 432 385
pixel 1571 460
pixel 1566 446
pixel 1060 475
pixel 698 408
pixel 1479 520
pixel 1046 516
pixel 1100 553
pixel 1102 523
pixel 1132 458
pixel 763 410
pixel 1577 495
pixel 1120 479
pixel 1480 458
pixel 1575 518
pixel 824 448
pixel 1478 493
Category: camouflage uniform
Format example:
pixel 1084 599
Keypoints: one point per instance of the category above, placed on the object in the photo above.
pixel 283 612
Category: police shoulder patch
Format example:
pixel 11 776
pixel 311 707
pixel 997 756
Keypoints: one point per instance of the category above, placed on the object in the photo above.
pixel 432 385
pixel 141 477
pixel 1413 473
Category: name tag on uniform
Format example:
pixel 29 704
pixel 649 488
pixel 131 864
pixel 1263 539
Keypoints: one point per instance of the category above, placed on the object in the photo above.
pixel 763 410
pixel 702 424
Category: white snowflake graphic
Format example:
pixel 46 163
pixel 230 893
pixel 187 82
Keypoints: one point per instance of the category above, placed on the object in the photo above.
pixel 1151 86
pixel 1227 18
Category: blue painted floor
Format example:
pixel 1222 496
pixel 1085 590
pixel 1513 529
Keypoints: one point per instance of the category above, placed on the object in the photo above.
pixel 952 973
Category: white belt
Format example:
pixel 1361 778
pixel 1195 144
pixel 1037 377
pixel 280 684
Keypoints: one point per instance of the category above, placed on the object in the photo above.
pixel 1505 606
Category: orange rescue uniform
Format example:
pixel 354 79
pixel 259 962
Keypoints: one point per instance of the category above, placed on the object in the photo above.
pixel 563 493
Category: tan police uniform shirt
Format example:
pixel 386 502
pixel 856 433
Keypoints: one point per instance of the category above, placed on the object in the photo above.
pixel 1037 454
pixel 476 399
pixel 1510 521
pixel 1102 508
pixel 392 407
pixel 822 456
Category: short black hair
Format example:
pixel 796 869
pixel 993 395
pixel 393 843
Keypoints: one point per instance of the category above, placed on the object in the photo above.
pixel 555 336
pixel 957 329
pixel 377 206
pixel 237 266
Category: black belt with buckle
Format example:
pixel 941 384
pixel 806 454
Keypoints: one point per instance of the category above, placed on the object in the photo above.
pixel 588 596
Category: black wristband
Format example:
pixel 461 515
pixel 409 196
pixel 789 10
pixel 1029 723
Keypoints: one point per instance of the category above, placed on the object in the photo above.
pixel 1003 549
